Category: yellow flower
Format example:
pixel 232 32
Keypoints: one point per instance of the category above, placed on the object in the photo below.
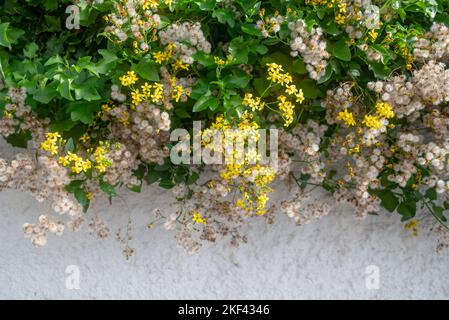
pixel 198 218
pixel 136 97
pixel 146 90
pixel 129 79
pixel 276 74
pixel 340 19
pixel 84 138
pixel 384 110
pixel 373 34
pixel 177 93
pixel 179 65
pixel 50 143
pixel 253 103
pixel 286 108
pixel 89 196
pixel 105 108
pixel 153 4
pixel 372 122
pixel 346 117
pixel 412 226
pixel 99 155
pixel 220 62
pixel 158 92
pixel 160 57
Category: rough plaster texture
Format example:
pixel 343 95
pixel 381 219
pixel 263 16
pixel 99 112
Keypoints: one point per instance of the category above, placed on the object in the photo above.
pixel 325 259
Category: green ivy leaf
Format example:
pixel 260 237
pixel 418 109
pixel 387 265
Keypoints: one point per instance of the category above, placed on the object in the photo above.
pixel 81 197
pixel 252 30
pixel 407 210
pixel 206 102
pixel 148 70
pixel 235 81
pixel 225 16
pixel 388 200
pixel 108 189
pixel 340 50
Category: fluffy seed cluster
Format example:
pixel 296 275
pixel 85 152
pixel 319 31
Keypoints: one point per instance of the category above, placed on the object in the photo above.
pixel 434 45
pixel 310 46
pixel 187 38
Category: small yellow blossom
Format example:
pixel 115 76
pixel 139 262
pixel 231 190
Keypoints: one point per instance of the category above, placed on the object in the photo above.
pixel 346 117
pixel 384 110
pixel 412 226
pixel 85 138
pixel 253 103
pixel 287 110
pixel 372 122
pixel 198 218
pixel 50 144
pixel 129 79
pixel 218 61
pixel 373 34
pixel 179 65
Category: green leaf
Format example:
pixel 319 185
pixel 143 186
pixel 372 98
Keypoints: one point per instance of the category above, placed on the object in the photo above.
pixel 46 94
pixel 299 67
pixel 69 146
pixel 407 210
pixel 20 139
pixel 108 188
pixel 309 88
pixel 239 50
pixel 206 102
pixel 83 111
pixel 252 30
pixel 166 184
pixel 225 16
pixel 235 81
pixel 204 58
pixel 340 50
pixel 4 40
pixel 148 70
pixel 86 92
pixel 31 50
pixel 206 5
pixel 388 200
pixel 380 70
pixel 81 197
pixel 431 194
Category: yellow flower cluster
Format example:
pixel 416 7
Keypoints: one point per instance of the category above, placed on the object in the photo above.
pixel 384 110
pixel 276 74
pixel 153 92
pixel 372 122
pixel 162 56
pixel 179 65
pixel 253 103
pixel 76 162
pixel 251 178
pixel 100 159
pixel 218 61
pixel 198 218
pixel 150 4
pixel 50 144
pixel 412 226
pixel 287 110
pixel 346 117
pixel 129 79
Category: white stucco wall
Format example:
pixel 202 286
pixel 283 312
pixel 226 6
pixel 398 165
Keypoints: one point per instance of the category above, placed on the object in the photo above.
pixel 325 259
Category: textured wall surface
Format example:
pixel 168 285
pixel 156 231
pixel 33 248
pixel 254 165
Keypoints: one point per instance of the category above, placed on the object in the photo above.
pixel 325 259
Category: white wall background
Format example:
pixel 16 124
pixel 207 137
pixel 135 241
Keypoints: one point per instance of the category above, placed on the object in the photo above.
pixel 325 259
